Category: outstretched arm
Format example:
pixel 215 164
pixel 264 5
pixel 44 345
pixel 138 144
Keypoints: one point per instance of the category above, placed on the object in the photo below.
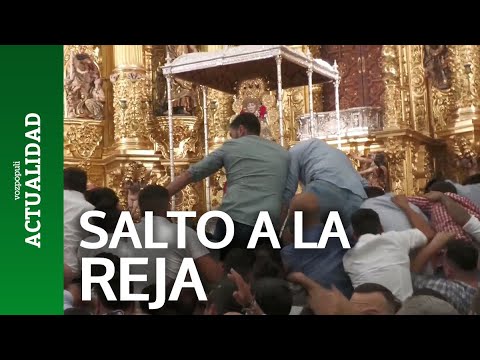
pixel 415 219
pixel 368 171
pixel 454 209
pixel 323 301
pixel 426 253
pixel 362 159
pixel 198 171
pixel 179 183
pixel 459 214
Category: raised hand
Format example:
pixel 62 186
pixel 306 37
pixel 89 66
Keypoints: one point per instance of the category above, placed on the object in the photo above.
pixel 322 301
pixel 401 201
pixel 243 295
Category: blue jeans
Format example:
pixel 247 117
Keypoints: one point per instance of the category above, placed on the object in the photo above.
pixel 333 198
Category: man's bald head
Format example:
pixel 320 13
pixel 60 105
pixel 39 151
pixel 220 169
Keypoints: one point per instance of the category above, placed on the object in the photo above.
pixel 307 203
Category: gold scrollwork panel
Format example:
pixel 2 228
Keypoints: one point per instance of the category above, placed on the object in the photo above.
pixel 187 137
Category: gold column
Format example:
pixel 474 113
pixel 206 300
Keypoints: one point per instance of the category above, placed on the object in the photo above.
pixel 394 118
pixel 462 133
pixel 219 113
pixel 465 63
pixel 405 137
pixel 131 99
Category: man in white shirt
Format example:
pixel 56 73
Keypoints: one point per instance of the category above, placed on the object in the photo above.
pixel 391 216
pixel 74 205
pixel 470 188
pixel 383 257
pixel 156 198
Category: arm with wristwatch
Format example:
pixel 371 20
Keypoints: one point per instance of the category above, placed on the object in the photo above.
pixel 243 295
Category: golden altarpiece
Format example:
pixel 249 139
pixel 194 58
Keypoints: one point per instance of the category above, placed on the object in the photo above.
pixel 425 117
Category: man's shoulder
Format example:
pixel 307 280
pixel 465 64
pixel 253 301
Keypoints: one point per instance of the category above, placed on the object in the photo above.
pixel 257 144
pixel 78 199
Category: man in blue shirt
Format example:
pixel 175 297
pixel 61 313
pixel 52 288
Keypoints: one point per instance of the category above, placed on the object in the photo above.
pixel 325 266
pixel 329 174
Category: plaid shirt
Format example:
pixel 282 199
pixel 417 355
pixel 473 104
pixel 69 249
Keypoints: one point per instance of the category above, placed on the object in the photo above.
pixel 457 293
pixel 439 217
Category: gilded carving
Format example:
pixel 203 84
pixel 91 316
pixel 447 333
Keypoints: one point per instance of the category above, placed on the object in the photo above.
pixel 393 99
pixel 314 50
pixel 96 177
pixel 437 66
pixel 148 55
pixel 293 108
pixel 187 137
pixel 424 166
pixel 443 105
pixel 217 185
pixel 219 112
pixel 395 152
pixel 159 84
pixel 128 180
pixel 463 155
pixel 82 140
pixel 465 62
pixel 257 89
pixel 418 89
pixel 189 198
pixel 84 93
pixel 131 104
pixel 185 95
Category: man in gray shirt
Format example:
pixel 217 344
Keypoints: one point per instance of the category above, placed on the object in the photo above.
pixel 469 189
pixel 256 171
pixel 328 173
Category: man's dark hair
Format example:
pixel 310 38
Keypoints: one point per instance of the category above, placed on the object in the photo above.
pixel 429 292
pixel 368 288
pixel 443 187
pixel 222 297
pixel 104 199
pixel 99 270
pixel 152 198
pixel 473 179
pixel 76 311
pixel 273 295
pixel 241 260
pixel 429 184
pixel 462 254
pixel 249 121
pixel 366 221
pixel 380 159
pixel 167 309
pixel 266 267
pixel 114 304
pixel 373 191
pixel 75 179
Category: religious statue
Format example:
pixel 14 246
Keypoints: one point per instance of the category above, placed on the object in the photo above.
pixel 83 90
pixel 95 104
pixel 253 105
pixel 374 169
pixel 436 66
pixel 184 95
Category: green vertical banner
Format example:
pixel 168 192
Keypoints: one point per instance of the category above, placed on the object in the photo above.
pixel 31 180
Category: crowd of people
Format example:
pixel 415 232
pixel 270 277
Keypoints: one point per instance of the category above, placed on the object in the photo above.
pixel 408 255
